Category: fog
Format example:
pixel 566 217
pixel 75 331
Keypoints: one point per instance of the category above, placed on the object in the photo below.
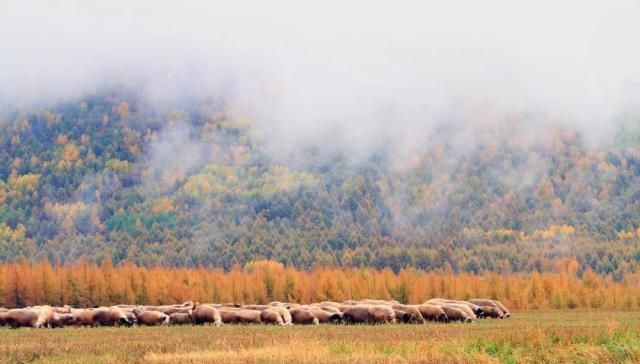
pixel 357 73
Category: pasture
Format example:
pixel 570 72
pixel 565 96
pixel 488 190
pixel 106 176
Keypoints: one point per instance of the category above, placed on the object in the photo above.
pixel 528 337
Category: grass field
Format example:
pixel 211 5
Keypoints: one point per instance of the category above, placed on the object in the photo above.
pixel 528 337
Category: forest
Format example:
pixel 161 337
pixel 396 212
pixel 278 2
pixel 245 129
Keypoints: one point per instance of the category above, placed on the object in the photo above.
pixel 110 178
pixel 88 285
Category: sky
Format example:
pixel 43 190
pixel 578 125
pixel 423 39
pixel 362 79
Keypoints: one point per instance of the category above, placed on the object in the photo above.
pixel 353 72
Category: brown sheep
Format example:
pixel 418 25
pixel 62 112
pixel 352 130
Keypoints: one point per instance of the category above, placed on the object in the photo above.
pixel 402 316
pixel 502 308
pixel 382 314
pixel 45 316
pixel 205 313
pixel 368 314
pixel 62 320
pixel 227 314
pixel 151 318
pixel 355 314
pixel 303 317
pixel 286 315
pixel 491 303
pixel 492 312
pixel 111 316
pixel 432 313
pixel 232 315
pixel 20 317
pixel 131 317
pixel 455 314
pixel 415 317
pixel 477 310
pixel 326 316
pixel 484 303
pixel 464 308
pixel 270 316
pixel 84 317
pixel 180 318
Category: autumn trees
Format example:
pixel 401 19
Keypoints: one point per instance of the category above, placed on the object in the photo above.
pixel 108 177
pixel 87 285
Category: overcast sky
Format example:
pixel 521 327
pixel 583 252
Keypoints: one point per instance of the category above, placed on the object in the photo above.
pixel 359 67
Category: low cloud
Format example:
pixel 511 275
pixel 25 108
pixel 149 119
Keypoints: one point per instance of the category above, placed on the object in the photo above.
pixel 356 74
pixel 172 156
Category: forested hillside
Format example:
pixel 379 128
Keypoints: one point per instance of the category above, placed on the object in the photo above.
pixel 196 186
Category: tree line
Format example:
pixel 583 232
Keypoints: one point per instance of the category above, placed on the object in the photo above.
pixel 87 285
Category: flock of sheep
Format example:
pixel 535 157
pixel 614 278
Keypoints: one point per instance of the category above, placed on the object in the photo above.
pixel 278 313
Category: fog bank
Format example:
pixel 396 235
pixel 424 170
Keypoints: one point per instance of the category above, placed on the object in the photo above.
pixel 358 73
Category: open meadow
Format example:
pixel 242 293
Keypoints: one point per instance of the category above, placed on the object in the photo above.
pixel 574 336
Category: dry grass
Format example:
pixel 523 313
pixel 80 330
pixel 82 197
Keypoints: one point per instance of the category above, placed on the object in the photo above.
pixel 529 337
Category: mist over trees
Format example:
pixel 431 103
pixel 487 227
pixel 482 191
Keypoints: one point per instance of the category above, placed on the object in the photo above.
pixel 108 176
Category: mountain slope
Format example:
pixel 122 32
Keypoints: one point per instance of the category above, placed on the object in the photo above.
pixel 110 175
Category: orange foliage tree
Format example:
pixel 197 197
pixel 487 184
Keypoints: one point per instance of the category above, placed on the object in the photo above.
pixel 85 285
